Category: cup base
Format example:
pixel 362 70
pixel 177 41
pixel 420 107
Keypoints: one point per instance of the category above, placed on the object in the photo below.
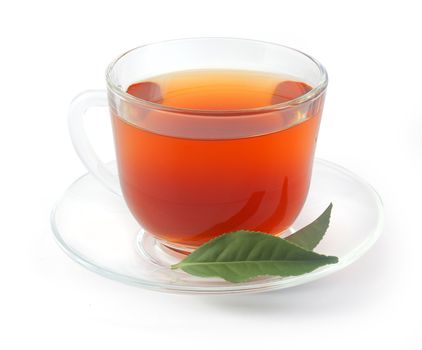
pixel 158 252
pixel 165 254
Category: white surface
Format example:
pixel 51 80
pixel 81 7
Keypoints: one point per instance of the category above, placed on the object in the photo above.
pixel 372 124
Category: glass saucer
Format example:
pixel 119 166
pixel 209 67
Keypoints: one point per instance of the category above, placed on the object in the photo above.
pixel 94 227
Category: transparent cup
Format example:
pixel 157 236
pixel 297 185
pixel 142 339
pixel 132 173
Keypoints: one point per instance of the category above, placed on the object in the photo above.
pixel 189 175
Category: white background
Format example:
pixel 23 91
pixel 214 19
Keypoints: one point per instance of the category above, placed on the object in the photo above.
pixel 372 124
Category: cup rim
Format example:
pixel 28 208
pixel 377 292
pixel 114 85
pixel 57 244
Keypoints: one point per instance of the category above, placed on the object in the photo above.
pixel 316 91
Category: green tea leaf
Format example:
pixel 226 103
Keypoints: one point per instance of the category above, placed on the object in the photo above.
pixel 242 255
pixel 310 236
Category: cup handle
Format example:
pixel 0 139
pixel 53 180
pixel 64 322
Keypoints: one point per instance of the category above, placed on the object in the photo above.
pixel 78 107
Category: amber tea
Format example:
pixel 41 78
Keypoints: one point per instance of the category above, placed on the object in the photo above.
pixel 191 189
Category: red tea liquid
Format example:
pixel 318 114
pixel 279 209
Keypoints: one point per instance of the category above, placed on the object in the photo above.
pixel 187 190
